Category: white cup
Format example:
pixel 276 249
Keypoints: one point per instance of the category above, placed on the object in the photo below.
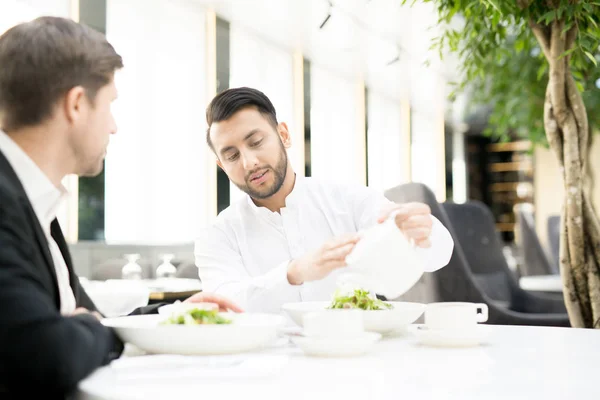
pixel 455 315
pixel 334 323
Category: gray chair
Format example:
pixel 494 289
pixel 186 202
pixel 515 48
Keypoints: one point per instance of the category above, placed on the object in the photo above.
pixel 535 258
pixel 187 270
pixel 554 240
pixel 490 282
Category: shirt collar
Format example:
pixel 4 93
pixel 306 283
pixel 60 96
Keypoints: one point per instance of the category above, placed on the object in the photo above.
pixel 42 194
pixel 291 198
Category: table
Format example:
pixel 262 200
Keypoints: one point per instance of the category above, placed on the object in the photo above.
pixel 172 289
pixel 542 283
pixel 518 362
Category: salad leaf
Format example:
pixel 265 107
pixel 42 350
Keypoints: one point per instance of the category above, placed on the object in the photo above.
pixel 196 316
pixel 361 299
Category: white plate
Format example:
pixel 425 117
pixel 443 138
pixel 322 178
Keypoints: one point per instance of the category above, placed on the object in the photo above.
pixel 335 346
pixel 247 332
pixel 452 338
pixel 381 321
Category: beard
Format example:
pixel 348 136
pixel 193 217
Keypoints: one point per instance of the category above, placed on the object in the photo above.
pixel 279 174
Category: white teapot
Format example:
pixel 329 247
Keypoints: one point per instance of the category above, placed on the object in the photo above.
pixel 383 261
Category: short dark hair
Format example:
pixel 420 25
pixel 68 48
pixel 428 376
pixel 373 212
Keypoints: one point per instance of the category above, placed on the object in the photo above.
pixel 41 60
pixel 230 101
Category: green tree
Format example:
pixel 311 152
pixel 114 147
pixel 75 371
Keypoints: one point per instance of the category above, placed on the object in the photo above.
pixel 535 62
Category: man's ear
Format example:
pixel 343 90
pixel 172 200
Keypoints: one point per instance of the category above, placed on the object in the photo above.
pixel 284 134
pixel 74 102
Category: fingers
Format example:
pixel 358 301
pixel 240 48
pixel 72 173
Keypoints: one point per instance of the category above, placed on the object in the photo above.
pixel 426 243
pixel 412 210
pixel 97 315
pixel 224 303
pixel 338 253
pixel 341 241
pixel 333 264
pixel 404 211
pixel 417 234
pixel 80 310
pixel 416 222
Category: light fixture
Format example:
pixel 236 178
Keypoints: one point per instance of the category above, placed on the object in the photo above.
pixel 328 15
pixel 395 59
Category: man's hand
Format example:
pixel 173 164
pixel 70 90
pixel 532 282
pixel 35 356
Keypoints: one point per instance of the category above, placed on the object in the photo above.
pixel 413 219
pixel 81 310
pixel 223 303
pixel 319 264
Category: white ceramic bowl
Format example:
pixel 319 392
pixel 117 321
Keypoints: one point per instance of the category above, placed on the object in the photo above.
pixel 247 332
pixel 381 321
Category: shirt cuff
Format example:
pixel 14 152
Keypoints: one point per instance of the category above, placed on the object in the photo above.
pixel 276 278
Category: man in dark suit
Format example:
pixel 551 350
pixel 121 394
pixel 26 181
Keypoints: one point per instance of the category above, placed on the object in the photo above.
pixel 56 87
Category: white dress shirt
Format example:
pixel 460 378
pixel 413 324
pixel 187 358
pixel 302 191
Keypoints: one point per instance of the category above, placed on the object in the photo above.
pixel 245 254
pixel 45 199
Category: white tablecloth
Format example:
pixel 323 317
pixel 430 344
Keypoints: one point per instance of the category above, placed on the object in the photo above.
pixel 516 363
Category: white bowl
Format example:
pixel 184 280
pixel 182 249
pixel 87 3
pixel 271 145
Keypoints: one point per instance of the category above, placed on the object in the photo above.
pixel 246 332
pixel 381 321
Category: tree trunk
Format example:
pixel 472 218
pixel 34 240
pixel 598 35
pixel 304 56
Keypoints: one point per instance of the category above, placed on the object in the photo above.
pixel 566 126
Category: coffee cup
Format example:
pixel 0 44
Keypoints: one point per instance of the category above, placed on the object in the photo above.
pixel 333 323
pixel 455 315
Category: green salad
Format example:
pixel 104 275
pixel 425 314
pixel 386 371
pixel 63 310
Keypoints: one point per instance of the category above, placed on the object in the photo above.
pixel 196 316
pixel 361 299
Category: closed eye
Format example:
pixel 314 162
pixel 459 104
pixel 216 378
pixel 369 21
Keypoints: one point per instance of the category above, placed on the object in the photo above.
pixel 257 143
pixel 233 157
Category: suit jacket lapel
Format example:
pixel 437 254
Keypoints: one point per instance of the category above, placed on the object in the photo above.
pixel 40 236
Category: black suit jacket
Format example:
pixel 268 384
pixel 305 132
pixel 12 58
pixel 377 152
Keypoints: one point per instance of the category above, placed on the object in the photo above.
pixel 39 348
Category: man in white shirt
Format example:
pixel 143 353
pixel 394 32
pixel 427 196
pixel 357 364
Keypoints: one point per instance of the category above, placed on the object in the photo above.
pixel 287 240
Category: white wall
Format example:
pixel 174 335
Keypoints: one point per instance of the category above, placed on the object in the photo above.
pixel 336 143
pixel 260 65
pixel 386 139
pixel 156 189
pixel 549 187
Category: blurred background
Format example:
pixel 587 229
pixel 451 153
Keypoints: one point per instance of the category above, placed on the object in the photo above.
pixel 365 98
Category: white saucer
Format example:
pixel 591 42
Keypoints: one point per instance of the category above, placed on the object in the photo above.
pixel 335 346
pixel 452 338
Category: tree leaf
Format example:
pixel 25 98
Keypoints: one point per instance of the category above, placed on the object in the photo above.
pixel 591 57
pixel 495 5
pixel 566 53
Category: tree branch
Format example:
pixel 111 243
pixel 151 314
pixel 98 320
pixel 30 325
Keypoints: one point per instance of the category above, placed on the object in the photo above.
pixel 557 73
pixel 580 114
pixel 552 131
pixel 571 37
pixel 543 37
